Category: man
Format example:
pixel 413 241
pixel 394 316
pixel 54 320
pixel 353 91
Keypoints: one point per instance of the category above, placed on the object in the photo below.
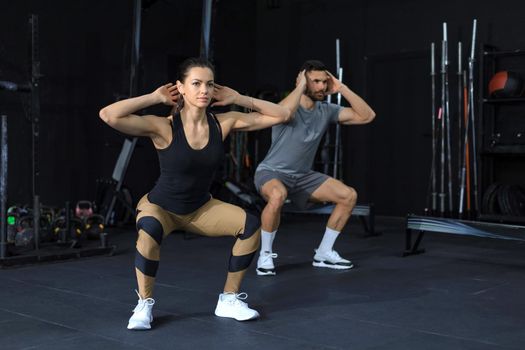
pixel 286 169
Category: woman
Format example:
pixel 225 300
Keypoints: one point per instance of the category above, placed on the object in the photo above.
pixel 189 146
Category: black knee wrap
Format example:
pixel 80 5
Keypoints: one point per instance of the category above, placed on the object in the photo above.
pixel 146 266
pixel 152 227
pixel 251 226
pixel 241 262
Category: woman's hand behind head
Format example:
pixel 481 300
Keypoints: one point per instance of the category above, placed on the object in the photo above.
pixel 224 95
pixel 167 94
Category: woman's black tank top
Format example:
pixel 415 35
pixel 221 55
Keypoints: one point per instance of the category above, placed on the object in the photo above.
pixel 186 174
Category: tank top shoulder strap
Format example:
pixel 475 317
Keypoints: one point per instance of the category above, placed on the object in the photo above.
pixel 176 122
pixel 217 123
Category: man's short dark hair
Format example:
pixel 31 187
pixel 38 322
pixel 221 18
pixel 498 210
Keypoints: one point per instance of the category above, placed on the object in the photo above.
pixel 311 65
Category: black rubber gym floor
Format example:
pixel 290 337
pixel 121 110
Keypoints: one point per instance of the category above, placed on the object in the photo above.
pixel 463 293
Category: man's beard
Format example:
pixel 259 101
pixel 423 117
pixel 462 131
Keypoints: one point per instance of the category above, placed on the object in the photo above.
pixel 314 96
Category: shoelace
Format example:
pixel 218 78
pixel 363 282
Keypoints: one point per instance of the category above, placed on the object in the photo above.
pixel 334 255
pixel 271 255
pixel 239 297
pixel 143 302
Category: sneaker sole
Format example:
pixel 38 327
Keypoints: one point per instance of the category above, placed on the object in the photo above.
pixel 332 266
pixel 138 327
pixel 265 272
pixel 219 314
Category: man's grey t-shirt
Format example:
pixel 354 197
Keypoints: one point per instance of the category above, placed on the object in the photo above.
pixel 295 143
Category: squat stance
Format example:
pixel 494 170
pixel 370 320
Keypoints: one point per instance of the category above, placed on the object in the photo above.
pixel 286 169
pixel 190 149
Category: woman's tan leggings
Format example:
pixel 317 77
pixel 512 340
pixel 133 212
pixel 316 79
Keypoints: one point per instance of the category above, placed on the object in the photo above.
pixel 215 218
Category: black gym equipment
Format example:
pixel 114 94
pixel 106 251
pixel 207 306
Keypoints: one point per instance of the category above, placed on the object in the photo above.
pixel 25 235
pixel 113 199
pixel 424 224
pixel 433 168
pixel 498 199
pixel 469 141
pixel 441 169
pixel 94 226
pixel 23 231
pixel 442 190
pixel 91 224
pixel 3 189
pixel 504 199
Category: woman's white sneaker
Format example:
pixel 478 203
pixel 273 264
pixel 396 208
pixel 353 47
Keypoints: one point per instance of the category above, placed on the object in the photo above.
pixel 232 305
pixel 142 314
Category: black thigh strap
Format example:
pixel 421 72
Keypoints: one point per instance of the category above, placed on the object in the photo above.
pixel 152 227
pixel 251 226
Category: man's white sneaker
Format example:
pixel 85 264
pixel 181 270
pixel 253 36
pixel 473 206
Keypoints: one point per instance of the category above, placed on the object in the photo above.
pixel 265 264
pixel 142 317
pixel 331 260
pixel 232 305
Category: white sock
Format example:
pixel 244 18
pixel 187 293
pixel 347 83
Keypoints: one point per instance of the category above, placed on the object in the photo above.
pixel 327 243
pixel 267 240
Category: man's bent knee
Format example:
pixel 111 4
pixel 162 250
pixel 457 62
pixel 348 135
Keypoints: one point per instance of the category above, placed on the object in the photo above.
pixel 276 196
pixel 348 197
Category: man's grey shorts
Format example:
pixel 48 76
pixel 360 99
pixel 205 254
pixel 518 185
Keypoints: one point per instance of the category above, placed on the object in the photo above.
pixel 299 186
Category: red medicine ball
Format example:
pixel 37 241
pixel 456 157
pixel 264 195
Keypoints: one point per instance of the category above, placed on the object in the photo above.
pixel 505 84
